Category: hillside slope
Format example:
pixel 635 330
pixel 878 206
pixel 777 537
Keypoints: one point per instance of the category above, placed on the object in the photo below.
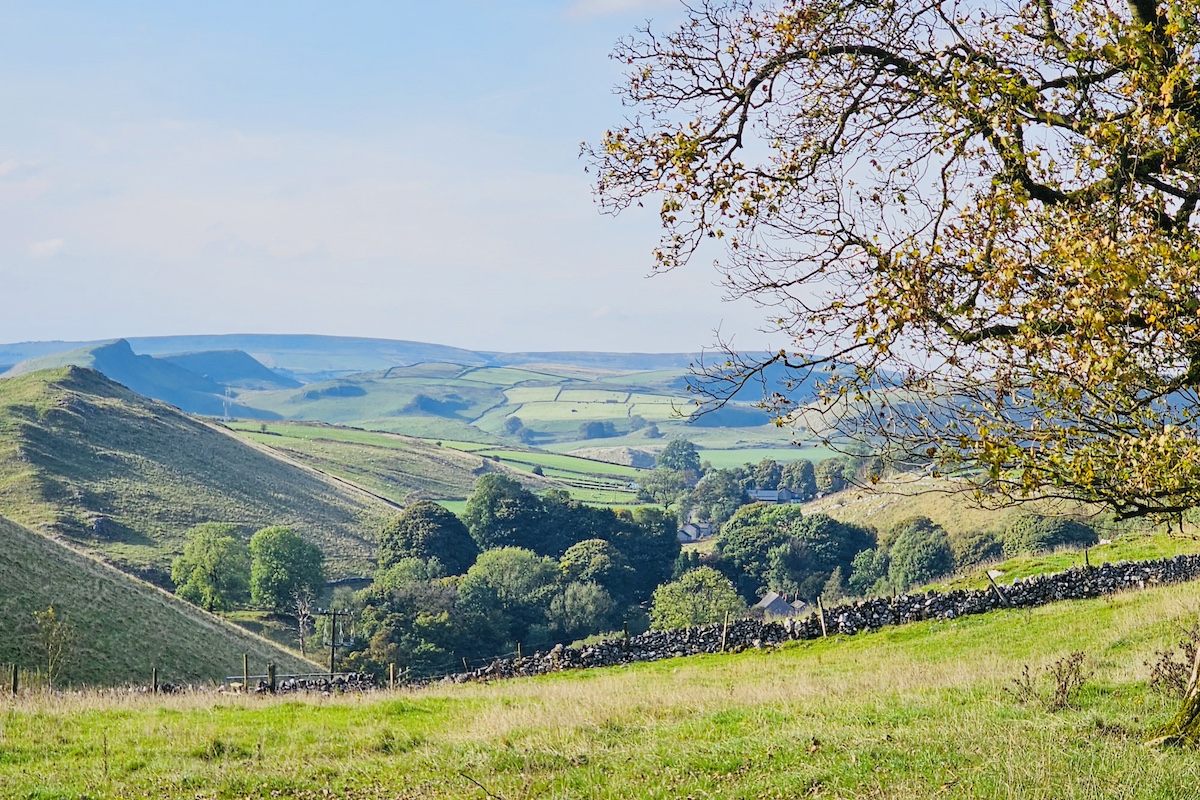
pixel 159 378
pixel 123 627
pixel 85 457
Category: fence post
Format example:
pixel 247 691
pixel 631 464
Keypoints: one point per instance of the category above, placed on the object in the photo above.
pixel 518 650
pixel 724 631
pixel 154 680
pixel 1086 562
pixel 271 678
pixel 245 673
pixel 15 680
pixel 392 676
pixel 821 613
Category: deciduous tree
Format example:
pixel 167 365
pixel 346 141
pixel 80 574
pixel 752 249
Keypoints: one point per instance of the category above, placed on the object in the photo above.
pixel 987 211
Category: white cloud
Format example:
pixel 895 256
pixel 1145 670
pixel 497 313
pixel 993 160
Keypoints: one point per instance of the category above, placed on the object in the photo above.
pixel 603 8
pixel 47 249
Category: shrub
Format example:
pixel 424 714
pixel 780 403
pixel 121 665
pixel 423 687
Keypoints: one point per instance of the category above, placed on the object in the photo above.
pixel 920 551
pixel 1034 533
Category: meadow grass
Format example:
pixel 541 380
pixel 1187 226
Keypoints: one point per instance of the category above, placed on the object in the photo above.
pixel 915 712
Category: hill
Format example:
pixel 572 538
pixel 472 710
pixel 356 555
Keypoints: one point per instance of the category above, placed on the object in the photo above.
pixel 231 368
pixel 123 627
pixel 158 378
pixel 87 458
pixel 926 710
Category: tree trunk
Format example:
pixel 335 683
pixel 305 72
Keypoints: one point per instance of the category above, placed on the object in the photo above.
pixel 1184 728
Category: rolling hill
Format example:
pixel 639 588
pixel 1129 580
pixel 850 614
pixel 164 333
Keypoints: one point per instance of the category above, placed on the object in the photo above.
pixel 123 627
pixel 84 457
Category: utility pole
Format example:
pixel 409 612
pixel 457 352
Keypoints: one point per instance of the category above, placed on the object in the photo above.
pixel 333 615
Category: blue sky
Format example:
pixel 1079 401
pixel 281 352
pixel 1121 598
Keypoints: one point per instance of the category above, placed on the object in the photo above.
pixel 400 169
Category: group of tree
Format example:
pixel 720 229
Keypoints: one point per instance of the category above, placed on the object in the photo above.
pixel 706 494
pixel 515 569
pixel 219 570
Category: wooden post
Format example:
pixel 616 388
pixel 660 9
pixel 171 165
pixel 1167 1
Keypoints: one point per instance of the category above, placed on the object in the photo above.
pixel 518 650
pixel 1086 561
pixel 271 678
pixel 392 675
pixel 625 635
pixel 154 680
pixel 725 632
pixel 465 667
pixel 996 589
pixel 245 672
pixel 821 616
pixel 15 679
pixel 332 640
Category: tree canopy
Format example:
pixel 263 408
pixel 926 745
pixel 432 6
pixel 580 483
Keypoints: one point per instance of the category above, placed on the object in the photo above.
pixel 700 596
pixel 987 210
pixel 426 530
pixel 214 570
pixel 281 564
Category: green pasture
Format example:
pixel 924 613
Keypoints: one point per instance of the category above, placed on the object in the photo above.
pixel 920 711
pixel 532 394
pixel 504 376
pixel 723 459
pixel 593 396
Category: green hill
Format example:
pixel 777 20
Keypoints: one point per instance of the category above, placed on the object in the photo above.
pixel 86 458
pixel 122 627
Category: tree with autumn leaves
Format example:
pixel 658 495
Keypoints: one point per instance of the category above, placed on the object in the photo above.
pixel 974 223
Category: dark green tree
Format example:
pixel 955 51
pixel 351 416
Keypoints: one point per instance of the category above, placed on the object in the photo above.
pixel 281 564
pixel 503 513
pixel 717 496
pixel 214 570
pixel 679 455
pixel 663 486
pixel 1034 533
pixel 867 570
pixel 833 474
pixel 767 474
pixel 512 588
pixel 920 551
pixel 426 530
pixel 800 477
pixel 600 562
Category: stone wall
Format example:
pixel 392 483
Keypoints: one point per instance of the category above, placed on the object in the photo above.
pixel 849 618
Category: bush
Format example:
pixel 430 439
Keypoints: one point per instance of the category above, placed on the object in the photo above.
pixel 1034 533
pixel 699 597
pixel 976 547
pixel 920 551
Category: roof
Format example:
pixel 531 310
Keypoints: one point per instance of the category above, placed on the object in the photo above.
pixel 774 605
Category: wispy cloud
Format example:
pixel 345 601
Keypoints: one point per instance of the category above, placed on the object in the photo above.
pixel 604 8
pixel 47 249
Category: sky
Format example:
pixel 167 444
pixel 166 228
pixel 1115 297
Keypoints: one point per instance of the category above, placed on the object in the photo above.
pixel 405 170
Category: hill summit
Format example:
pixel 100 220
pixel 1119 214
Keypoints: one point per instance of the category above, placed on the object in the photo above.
pixel 84 457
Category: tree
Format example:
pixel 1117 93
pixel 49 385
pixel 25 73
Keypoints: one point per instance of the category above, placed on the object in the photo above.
pixel 511 586
pixel 767 474
pixel 303 601
pixel 214 570
pixel 426 530
pixel 920 551
pixel 595 561
pixel 579 610
pixel 697 598
pixel 663 486
pixel 868 571
pixel 832 474
pixel 281 564
pixel 679 455
pixel 717 496
pixel 988 213
pixel 800 477
pixel 54 637
pixel 503 513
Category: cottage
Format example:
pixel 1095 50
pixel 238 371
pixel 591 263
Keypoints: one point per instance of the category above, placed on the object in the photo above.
pixel 776 606
pixel 695 531
pixel 783 495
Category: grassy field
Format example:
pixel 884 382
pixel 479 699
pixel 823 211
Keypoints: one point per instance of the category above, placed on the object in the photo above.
pixel 946 502
pixel 122 627
pixel 921 711
pixel 403 468
pixel 76 448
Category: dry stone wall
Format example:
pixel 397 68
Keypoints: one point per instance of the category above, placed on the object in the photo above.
pixel 849 618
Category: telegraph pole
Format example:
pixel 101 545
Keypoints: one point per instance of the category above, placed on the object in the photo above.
pixel 333 615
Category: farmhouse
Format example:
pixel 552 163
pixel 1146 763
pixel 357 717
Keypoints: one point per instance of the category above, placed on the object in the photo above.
pixel 695 531
pixel 775 606
pixel 772 496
